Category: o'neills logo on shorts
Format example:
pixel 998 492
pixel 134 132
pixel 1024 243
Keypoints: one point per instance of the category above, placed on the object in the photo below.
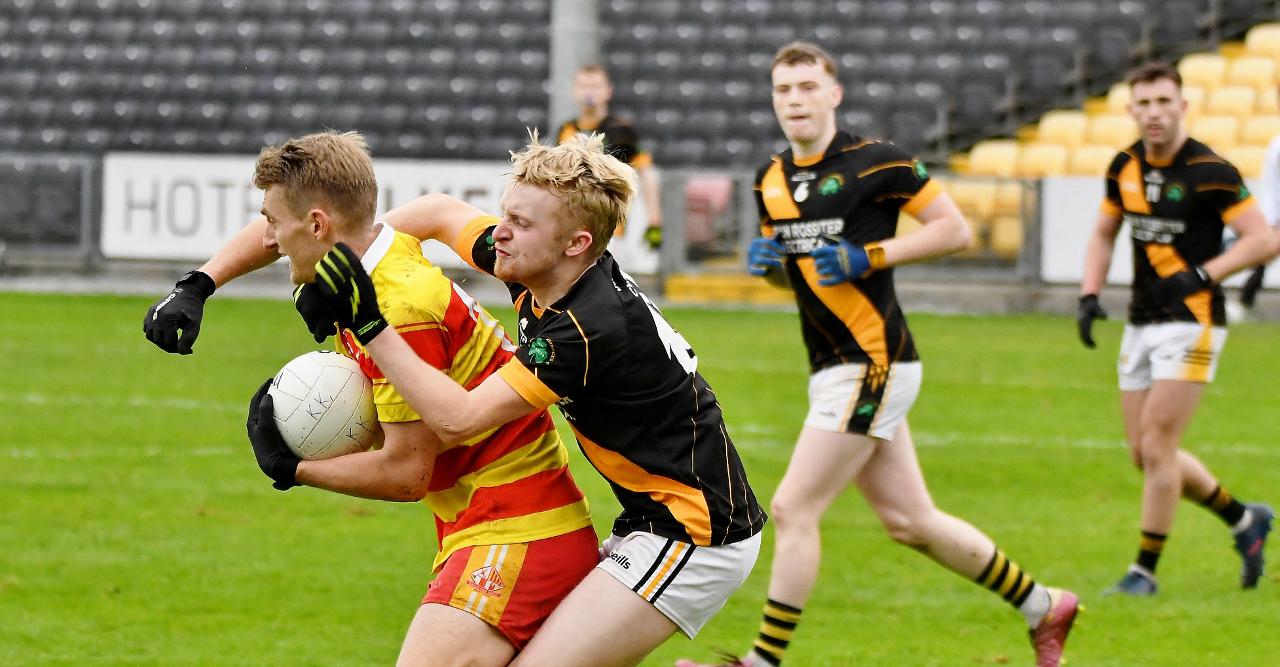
pixel 487 580
pixel 620 560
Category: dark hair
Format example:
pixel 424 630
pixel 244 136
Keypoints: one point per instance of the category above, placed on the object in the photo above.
pixel 1153 71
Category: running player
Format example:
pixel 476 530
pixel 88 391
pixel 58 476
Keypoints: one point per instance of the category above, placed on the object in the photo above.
pixel 592 91
pixel 1175 194
pixel 512 527
pixel 829 208
pixel 592 343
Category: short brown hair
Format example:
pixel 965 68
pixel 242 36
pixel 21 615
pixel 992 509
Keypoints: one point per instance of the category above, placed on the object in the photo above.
pixel 593 68
pixel 593 186
pixel 333 166
pixel 1153 71
pixel 804 53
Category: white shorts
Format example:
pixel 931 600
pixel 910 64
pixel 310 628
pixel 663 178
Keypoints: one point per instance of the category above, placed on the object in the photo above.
pixel 1186 351
pixel 687 583
pixel 840 401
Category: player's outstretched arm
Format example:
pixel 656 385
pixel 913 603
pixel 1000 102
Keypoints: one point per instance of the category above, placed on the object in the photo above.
pixel 435 216
pixel 454 414
pixel 173 322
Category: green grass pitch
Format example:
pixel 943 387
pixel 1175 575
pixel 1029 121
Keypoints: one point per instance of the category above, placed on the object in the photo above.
pixel 135 528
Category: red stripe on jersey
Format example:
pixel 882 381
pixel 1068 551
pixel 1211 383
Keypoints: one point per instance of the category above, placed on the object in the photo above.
pixel 431 345
pixel 458 320
pixel 458 461
pixel 538 492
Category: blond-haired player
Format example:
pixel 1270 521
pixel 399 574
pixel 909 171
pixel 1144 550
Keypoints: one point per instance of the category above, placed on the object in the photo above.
pixel 829 208
pixel 512 528
pixel 593 344
pixel 1176 195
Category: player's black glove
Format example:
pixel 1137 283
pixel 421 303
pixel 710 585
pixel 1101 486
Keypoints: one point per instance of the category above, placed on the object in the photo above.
pixel 653 236
pixel 347 294
pixel 182 309
pixel 310 304
pixel 274 457
pixel 1249 293
pixel 1179 286
pixel 1088 311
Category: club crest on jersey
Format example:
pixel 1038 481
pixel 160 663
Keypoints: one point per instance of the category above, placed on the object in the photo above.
pixel 802 192
pixel 830 185
pixel 541 352
pixel 1175 192
pixel 487 580
pixel 918 167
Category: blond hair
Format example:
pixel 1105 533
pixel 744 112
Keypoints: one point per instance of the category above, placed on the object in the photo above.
pixel 594 188
pixel 334 167
pixel 804 53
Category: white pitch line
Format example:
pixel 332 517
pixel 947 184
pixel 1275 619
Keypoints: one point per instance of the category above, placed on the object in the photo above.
pixel 35 398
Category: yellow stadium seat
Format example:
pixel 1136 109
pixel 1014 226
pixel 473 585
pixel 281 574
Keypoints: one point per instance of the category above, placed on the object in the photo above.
pixel 1009 199
pixel 1195 97
pixel 1203 69
pixel 1269 102
pixel 1006 236
pixel 1063 126
pixel 1263 39
pixel 1116 130
pixel 1256 71
pixel 1118 97
pixel 1235 101
pixel 1260 130
pixel 1042 159
pixel 1219 132
pixel 976 198
pixel 1248 159
pixel 994 157
pixel 1090 160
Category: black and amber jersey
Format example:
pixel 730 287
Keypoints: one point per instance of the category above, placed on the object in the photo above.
pixel 628 385
pixel 620 139
pixel 854 191
pixel 1176 212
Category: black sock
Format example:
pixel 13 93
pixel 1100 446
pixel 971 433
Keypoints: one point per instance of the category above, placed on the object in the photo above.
pixel 1149 549
pixel 1224 505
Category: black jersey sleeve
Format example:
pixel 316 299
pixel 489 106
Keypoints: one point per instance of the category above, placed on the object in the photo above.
pixel 560 355
pixel 893 174
pixel 622 142
pixel 1113 179
pixel 1222 187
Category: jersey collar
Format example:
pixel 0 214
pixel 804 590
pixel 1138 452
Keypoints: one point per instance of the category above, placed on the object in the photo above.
pixel 838 142
pixel 379 248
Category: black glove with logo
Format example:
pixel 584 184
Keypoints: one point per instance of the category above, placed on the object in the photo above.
pixel 274 457
pixel 1249 293
pixel 1086 312
pixel 181 310
pixel 347 295
pixel 1179 286
pixel 310 304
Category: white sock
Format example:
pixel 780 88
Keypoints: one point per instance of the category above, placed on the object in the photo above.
pixel 754 659
pixel 1036 606
pixel 1244 522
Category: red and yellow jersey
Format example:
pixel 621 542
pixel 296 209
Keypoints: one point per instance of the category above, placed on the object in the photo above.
pixel 507 486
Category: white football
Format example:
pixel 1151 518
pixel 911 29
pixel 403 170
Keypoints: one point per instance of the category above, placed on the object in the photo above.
pixel 324 406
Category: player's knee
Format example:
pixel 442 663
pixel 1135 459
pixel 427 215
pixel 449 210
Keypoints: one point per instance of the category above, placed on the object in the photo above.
pixel 906 530
pixel 789 514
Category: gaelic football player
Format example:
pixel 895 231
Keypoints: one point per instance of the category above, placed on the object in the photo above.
pixel 1176 195
pixel 829 208
pixel 593 344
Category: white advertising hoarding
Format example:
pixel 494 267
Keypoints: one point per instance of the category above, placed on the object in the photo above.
pixel 1068 210
pixel 184 207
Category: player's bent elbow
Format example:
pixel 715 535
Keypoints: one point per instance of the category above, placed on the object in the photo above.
pixel 961 236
